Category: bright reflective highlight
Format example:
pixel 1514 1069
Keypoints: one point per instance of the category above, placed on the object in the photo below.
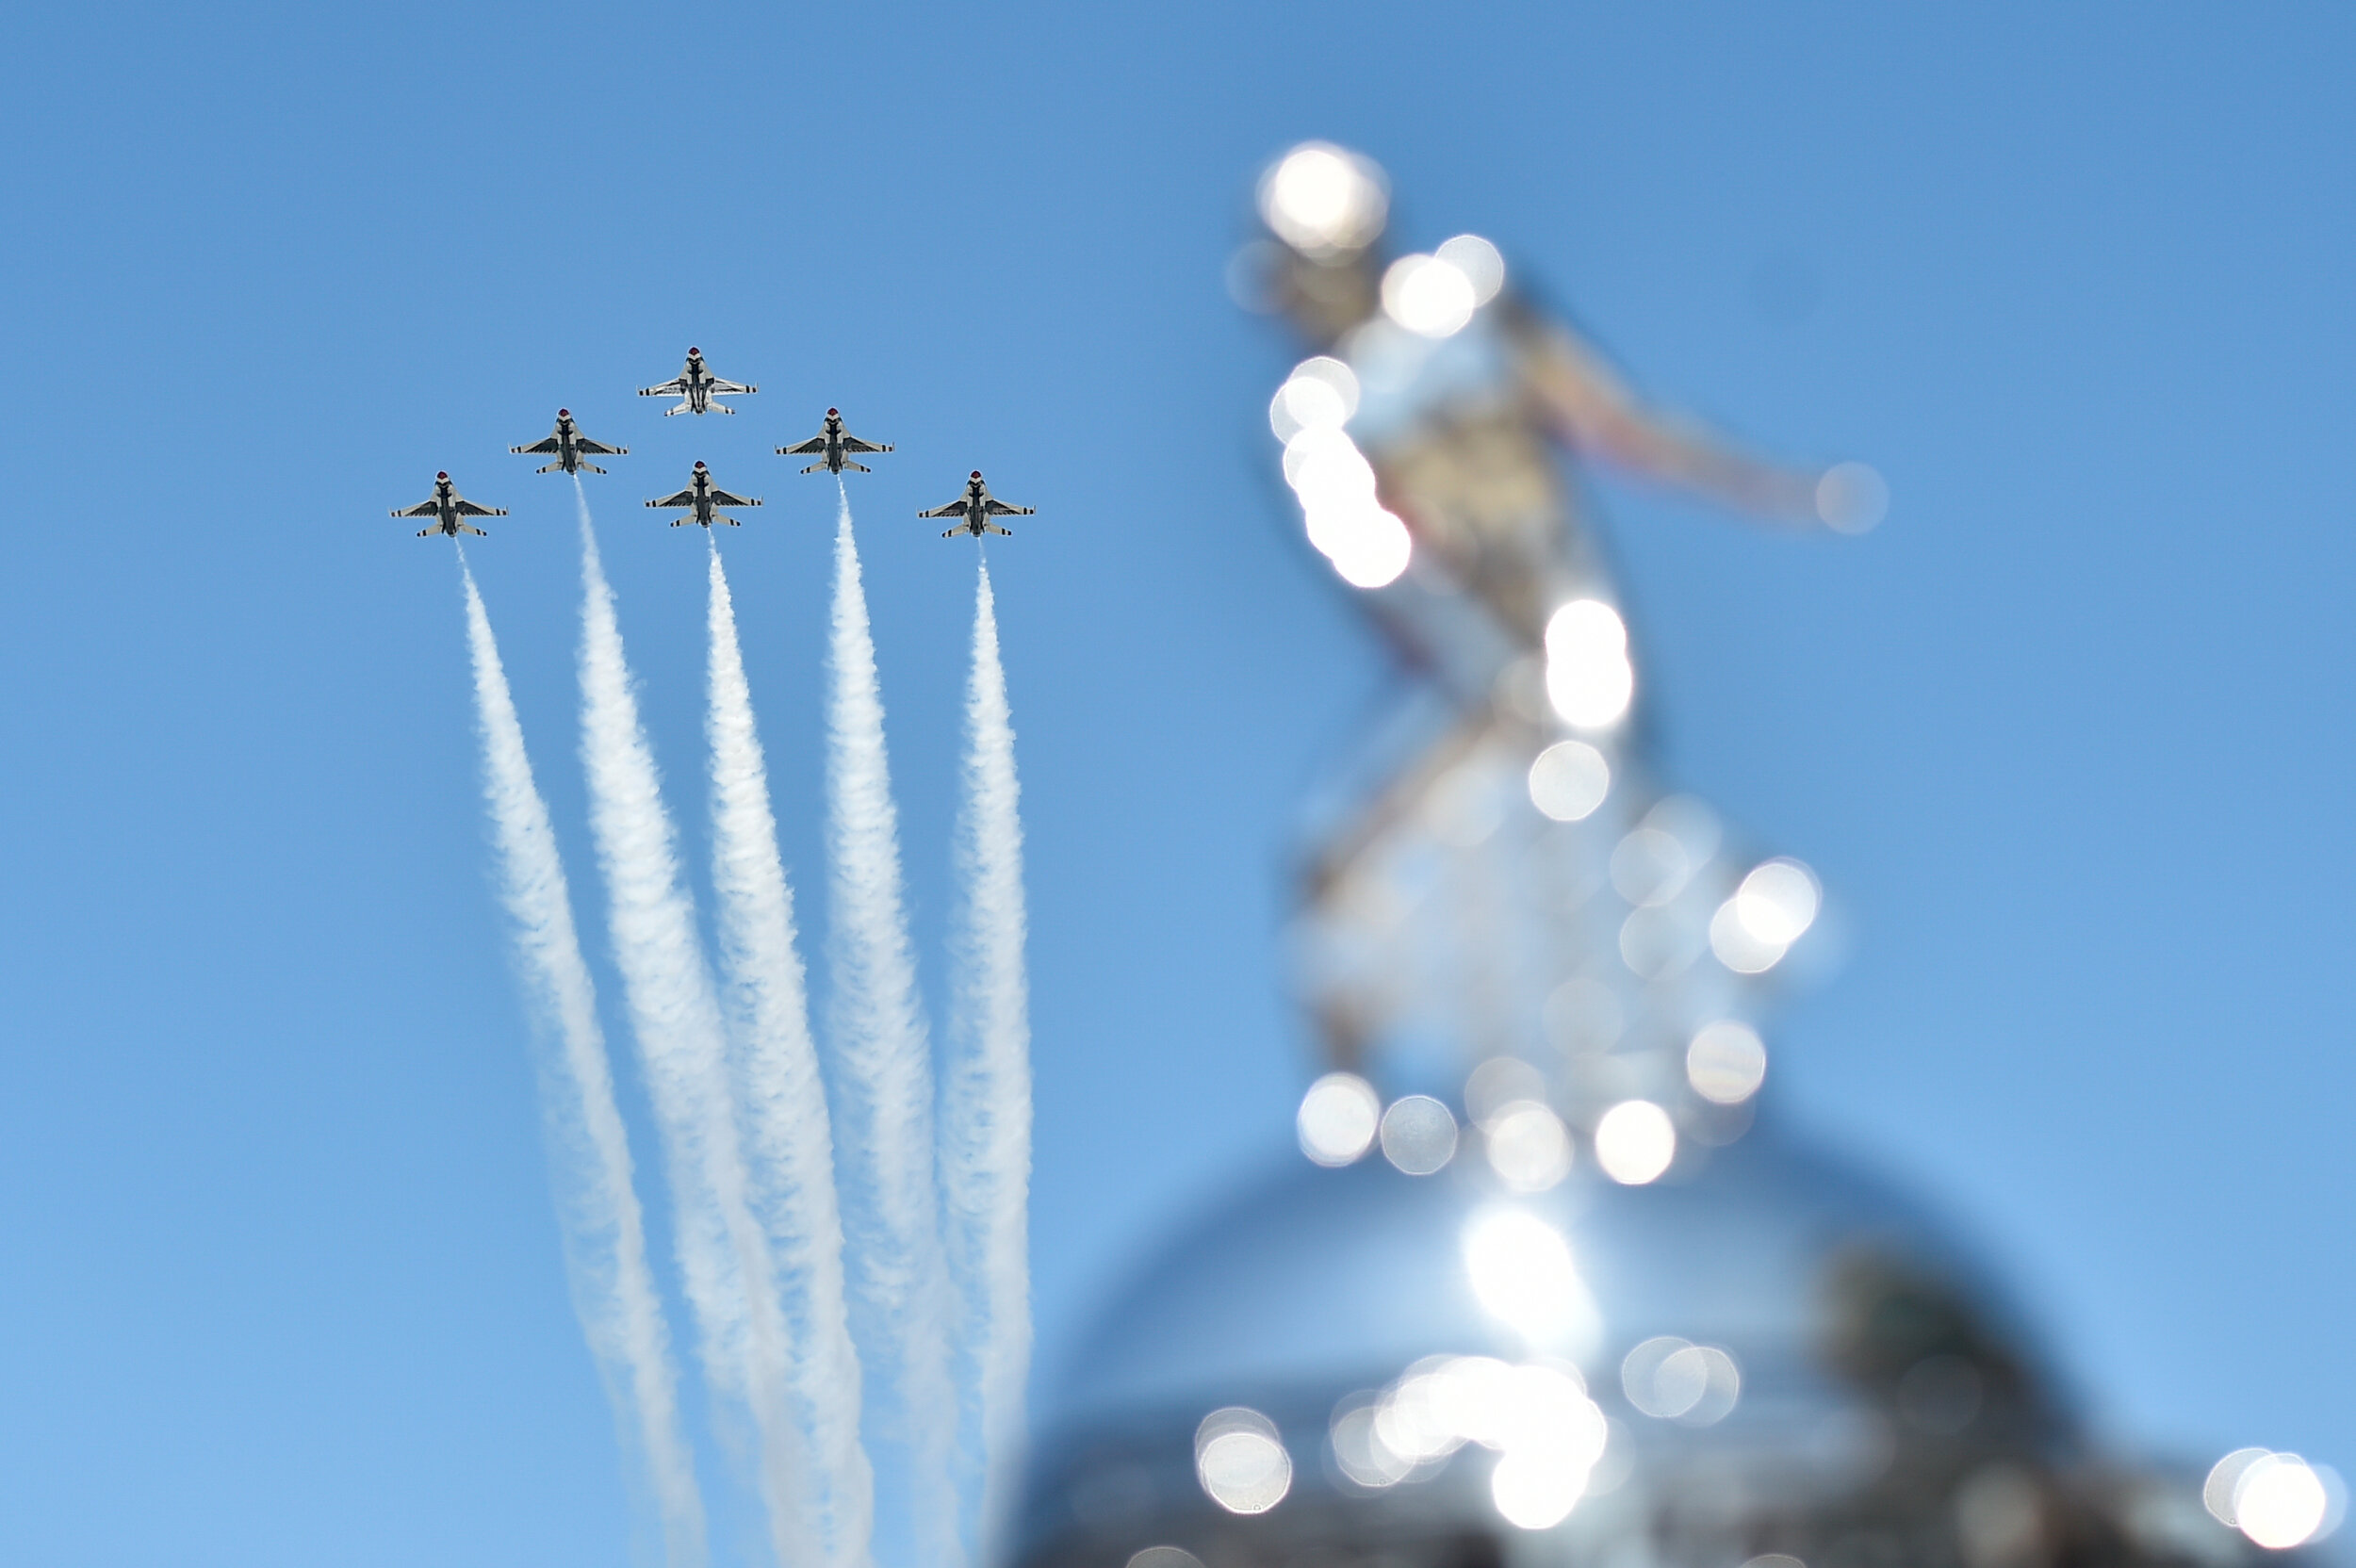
pixel 1523 1276
pixel 1337 1119
pixel 1569 780
pixel 1588 679
pixel 2278 1500
pixel 1323 199
pixel 1367 546
pixel 1479 260
pixel 1726 1062
pixel 1673 1379
pixel 1428 295
pixel 1546 1432
pixel 1529 1149
pixel 1635 1141
pixel 1320 394
pixel 1241 1462
pixel 1418 1134
pixel 1777 902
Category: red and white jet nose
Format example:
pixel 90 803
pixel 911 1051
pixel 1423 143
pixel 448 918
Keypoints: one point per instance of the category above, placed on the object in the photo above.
pixel 692 352
pixel 564 413
pixel 444 474
pixel 977 473
pixel 834 414
pixel 699 466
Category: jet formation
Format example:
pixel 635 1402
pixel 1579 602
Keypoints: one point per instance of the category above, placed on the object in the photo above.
pixel 975 508
pixel 450 510
pixel 834 443
pixel 702 500
pixel 696 388
pixel 570 446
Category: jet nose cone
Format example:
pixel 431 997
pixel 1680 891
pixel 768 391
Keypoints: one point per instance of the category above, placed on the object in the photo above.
pixel 977 473
pixel 693 351
pixel 564 413
pixel 699 467
pixel 444 474
pixel 834 414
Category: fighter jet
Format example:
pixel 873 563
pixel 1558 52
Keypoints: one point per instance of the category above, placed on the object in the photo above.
pixel 450 511
pixel 700 500
pixel 693 387
pixel 833 444
pixel 570 446
pixel 975 508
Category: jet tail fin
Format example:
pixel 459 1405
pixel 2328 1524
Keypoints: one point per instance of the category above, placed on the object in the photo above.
pixel 993 528
pixel 813 468
pixel 586 468
pixel 860 466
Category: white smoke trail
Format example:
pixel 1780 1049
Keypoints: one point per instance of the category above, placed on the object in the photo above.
pixel 784 1103
pixel 885 1089
pixel 674 1014
pixel 988 1142
pixel 605 1243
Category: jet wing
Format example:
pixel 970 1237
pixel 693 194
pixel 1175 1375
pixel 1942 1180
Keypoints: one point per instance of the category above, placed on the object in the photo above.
pixel 955 509
pixel 540 448
pixel 468 509
pixel 721 498
pixel 815 444
pixel 595 449
pixel 853 444
pixel 717 385
pixel 423 508
pixel 685 497
pixel 997 508
pixel 675 387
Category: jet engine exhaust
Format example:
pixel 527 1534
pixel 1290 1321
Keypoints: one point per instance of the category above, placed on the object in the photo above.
pixel 987 1146
pixel 605 1244
pixel 790 1148
pixel 675 1013
pixel 884 1085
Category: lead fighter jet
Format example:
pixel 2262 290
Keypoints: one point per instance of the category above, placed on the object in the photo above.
pixel 570 446
pixel 701 500
pixel 832 444
pixel 693 387
pixel 975 508
pixel 450 511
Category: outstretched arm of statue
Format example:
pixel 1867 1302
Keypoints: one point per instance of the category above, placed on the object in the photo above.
pixel 1594 412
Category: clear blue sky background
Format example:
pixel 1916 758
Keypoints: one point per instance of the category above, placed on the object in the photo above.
pixel 2067 738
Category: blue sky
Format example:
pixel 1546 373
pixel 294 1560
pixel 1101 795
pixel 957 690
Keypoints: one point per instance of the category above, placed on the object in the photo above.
pixel 2067 738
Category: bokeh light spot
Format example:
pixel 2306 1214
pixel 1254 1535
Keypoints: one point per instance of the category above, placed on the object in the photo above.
pixel 1338 1118
pixel 1428 295
pixel 1569 780
pixel 1418 1134
pixel 1323 199
pixel 1588 679
pixel 1635 1140
pixel 1726 1062
pixel 1529 1147
pixel 1241 1462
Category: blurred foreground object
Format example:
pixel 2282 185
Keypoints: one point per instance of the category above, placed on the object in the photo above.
pixel 1540 1293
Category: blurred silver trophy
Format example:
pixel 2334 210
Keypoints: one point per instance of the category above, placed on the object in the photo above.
pixel 1536 1289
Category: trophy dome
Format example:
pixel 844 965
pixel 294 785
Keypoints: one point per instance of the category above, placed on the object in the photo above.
pixel 1766 1352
